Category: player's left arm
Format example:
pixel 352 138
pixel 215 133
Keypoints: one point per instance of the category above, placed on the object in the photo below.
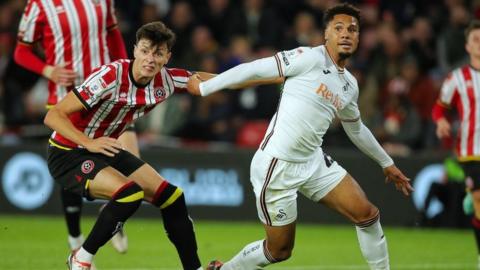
pixel 363 138
pixel 198 77
pixel 115 43
pixel 261 71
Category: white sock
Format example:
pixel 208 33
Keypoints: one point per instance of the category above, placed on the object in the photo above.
pixel 373 245
pixel 75 242
pixel 250 257
pixel 84 256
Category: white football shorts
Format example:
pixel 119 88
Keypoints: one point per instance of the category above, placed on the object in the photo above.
pixel 276 182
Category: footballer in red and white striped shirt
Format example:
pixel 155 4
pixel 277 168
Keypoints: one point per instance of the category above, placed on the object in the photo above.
pixel 113 98
pixel 92 117
pixel 461 90
pixel 76 35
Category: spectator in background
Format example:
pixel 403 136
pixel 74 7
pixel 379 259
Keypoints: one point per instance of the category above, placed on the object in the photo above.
pixel 259 22
pixel 399 124
pixel 302 33
pixel 421 45
pixel 181 20
pixel 460 92
pixel 77 36
pixel 201 45
pixel 451 52
pixel 216 16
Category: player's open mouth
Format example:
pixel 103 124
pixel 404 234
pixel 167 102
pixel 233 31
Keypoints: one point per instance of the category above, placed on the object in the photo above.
pixel 345 45
pixel 149 68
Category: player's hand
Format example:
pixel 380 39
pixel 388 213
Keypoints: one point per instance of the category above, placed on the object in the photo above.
pixel 193 84
pixel 60 75
pixel 402 183
pixel 443 128
pixel 104 145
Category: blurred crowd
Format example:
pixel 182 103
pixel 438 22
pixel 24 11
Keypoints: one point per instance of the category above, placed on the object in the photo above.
pixel 406 49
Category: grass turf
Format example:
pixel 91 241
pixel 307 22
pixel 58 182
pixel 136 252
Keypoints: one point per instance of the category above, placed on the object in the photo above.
pixel 39 242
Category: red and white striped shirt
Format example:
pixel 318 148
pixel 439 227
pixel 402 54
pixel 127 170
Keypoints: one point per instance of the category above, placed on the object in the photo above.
pixel 72 32
pixel 113 100
pixel 461 90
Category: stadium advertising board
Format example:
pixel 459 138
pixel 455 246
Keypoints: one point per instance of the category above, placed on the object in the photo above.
pixel 216 184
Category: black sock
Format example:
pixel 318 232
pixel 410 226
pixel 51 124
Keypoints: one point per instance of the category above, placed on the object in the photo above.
pixel 476 229
pixel 72 209
pixel 180 231
pixel 122 205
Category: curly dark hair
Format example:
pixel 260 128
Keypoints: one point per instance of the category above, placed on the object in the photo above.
pixel 344 8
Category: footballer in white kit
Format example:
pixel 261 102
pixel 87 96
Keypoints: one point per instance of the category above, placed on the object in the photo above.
pixel 317 89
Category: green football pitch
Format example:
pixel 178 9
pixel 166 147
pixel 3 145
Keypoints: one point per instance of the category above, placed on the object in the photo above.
pixel 39 242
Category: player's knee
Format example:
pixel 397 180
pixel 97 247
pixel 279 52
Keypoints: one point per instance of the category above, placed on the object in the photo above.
pixel 282 253
pixel 367 217
pixel 130 193
pixel 166 195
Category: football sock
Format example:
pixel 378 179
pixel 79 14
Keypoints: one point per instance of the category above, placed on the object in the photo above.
pixel 123 204
pixel 83 255
pixel 476 229
pixel 373 243
pixel 252 256
pixel 75 242
pixel 177 224
pixel 72 208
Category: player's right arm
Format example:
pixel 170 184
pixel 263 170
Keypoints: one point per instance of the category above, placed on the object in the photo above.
pixel 262 71
pixel 30 31
pixel 84 97
pixel 448 94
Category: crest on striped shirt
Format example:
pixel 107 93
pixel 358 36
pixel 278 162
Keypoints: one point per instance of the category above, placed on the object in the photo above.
pixel 159 93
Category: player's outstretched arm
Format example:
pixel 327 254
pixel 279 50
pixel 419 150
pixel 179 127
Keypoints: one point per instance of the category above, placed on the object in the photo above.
pixel 237 77
pixel 193 84
pixel 363 138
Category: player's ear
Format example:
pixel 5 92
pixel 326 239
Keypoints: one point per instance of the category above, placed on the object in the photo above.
pixel 135 50
pixel 467 48
pixel 169 54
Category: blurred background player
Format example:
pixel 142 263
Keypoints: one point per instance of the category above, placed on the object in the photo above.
pixel 76 36
pixel 290 159
pixel 460 92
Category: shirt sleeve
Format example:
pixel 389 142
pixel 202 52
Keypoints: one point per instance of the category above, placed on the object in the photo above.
pixel 294 62
pixel 32 23
pixel 98 85
pixel 179 78
pixel 350 113
pixel 111 18
pixel 448 90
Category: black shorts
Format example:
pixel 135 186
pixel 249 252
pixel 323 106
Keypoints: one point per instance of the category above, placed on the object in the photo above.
pixel 472 170
pixel 74 168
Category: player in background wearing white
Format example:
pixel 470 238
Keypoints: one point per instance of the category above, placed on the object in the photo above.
pixel 76 36
pixel 290 159
pixel 460 92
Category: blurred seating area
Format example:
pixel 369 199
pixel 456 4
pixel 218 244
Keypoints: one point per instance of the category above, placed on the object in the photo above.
pixel 406 49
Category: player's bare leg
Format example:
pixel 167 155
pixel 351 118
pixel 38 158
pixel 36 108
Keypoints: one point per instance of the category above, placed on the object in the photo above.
pixel 348 199
pixel 177 223
pixel 277 247
pixel 124 195
pixel 129 142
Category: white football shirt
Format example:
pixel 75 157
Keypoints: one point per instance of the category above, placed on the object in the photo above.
pixel 314 93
